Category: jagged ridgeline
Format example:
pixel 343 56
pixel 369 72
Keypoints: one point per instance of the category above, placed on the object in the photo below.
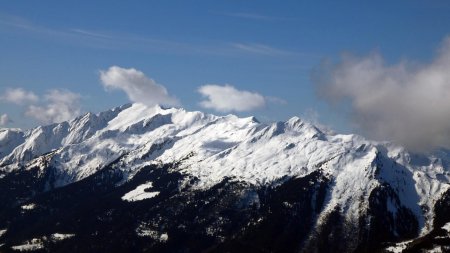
pixel 152 179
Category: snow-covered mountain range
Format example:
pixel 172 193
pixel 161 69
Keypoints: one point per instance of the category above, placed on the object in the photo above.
pixel 244 181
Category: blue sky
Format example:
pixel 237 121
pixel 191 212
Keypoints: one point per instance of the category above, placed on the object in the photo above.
pixel 268 48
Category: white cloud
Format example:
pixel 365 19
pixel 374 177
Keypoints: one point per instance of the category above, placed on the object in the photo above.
pixel 54 106
pixel 4 119
pixel 137 86
pixel 19 96
pixel 405 102
pixel 58 106
pixel 227 98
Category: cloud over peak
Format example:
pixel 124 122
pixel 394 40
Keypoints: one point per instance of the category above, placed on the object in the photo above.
pixel 58 106
pixel 227 98
pixel 55 105
pixel 4 119
pixel 138 87
pixel 19 96
pixel 403 102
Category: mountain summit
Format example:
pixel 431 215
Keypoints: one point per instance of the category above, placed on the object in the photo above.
pixel 153 179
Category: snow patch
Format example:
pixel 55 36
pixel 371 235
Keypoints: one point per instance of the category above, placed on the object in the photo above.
pixel 447 227
pixel 399 247
pixel 2 232
pixel 436 249
pixel 60 237
pixel 139 193
pixel 32 245
pixel 145 231
pixel 164 237
pixel 38 243
pixel 30 206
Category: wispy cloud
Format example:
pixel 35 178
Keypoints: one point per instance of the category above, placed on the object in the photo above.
pixel 16 21
pixel 94 39
pixel 92 34
pixel 109 40
pixel 254 16
pixel 78 37
pixel 261 49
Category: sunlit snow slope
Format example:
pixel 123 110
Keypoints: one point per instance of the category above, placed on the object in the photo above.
pixel 211 148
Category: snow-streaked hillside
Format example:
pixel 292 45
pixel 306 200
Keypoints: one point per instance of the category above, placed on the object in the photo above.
pixel 212 148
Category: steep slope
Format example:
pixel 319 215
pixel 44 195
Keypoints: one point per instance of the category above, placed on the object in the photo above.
pixel 240 181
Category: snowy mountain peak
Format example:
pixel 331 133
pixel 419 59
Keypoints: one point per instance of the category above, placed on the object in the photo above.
pixel 211 148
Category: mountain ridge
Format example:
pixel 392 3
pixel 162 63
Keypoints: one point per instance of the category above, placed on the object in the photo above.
pixel 365 179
